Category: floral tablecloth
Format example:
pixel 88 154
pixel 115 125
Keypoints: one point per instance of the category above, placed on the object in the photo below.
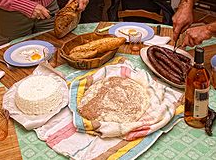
pixel 182 142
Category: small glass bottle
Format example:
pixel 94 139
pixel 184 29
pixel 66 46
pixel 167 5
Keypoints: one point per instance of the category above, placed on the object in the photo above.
pixel 197 92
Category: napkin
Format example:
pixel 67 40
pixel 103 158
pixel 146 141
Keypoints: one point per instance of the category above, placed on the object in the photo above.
pixel 157 106
pixel 35 121
pixel 157 40
pixel 60 132
pixel 2 73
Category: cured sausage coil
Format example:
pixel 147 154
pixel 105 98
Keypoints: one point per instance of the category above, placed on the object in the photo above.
pixel 172 66
pixel 163 65
pixel 174 58
pixel 161 69
pixel 183 58
pixel 167 61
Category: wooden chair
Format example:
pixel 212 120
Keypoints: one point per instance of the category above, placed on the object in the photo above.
pixel 115 12
pixel 201 16
pixel 140 13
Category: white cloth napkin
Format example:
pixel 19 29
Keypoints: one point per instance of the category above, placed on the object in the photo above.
pixel 35 121
pixel 2 73
pixel 157 40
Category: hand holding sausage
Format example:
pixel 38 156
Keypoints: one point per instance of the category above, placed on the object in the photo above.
pixel 196 35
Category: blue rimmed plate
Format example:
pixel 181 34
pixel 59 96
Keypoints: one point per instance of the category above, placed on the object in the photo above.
pixel 147 32
pixel 28 53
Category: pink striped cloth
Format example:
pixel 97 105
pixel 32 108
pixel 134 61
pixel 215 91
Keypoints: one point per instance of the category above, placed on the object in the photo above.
pixel 24 6
pixel 161 105
pixel 62 135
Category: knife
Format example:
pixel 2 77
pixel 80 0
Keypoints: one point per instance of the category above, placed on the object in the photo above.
pixel 158 30
pixel 104 29
pixel 176 42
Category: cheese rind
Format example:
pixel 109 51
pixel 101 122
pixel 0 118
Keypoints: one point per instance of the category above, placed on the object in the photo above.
pixel 38 95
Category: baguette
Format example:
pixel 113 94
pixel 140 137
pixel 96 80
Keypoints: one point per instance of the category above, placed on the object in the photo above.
pixel 95 48
pixel 66 19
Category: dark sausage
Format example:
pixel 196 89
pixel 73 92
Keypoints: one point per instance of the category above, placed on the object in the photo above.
pixel 168 62
pixel 170 71
pixel 209 121
pixel 169 54
pixel 182 57
pixel 188 66
pixel 160 69
pixel 183 62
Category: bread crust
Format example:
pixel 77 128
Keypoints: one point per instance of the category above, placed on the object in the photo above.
pixel 95 48
pixel 66 19
pixel 115 99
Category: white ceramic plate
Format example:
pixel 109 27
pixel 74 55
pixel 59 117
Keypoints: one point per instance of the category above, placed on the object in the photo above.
pixel 20 54
pixel 143 54
pixel 147 32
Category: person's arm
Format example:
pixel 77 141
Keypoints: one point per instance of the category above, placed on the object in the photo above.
pixel 183 18
pixel 24 6
pixel 195 35
pixel 29 8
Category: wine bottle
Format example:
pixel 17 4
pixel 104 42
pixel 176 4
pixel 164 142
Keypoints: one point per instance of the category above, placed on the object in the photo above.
pixel 197 92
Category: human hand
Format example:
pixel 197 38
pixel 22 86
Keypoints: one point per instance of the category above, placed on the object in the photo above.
pixel 82 4
pixel 195 35
pixel 182 19
pixel 40 12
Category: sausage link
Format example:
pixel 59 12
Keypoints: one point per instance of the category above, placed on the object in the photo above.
pixel 209 121
pixel 177 55
pixel 188 66
pixel 182 57
pixel 174 58
pixel 163 65
pixel 160 69
pixel 168 62
pixel 169 54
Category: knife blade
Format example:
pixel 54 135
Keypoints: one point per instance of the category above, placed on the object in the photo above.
pixel 176 42
pixel 104 29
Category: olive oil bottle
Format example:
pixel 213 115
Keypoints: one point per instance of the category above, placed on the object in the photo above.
pixel 197 92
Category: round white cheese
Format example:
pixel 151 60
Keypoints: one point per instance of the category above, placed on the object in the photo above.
pixel 38 95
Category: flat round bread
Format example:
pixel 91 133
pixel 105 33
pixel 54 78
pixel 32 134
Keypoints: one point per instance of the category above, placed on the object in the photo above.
pixel 115 99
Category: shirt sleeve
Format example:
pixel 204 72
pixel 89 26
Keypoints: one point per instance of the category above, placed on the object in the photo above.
pixel 24 6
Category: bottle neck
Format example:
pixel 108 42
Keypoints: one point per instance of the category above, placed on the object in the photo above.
pixel 198 65
pixel 199 55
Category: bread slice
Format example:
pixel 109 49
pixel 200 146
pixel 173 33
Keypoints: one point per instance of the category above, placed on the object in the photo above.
pixel 66 19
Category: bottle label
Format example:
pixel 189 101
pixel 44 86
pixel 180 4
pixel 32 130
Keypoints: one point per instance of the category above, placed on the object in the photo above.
pixel 201 101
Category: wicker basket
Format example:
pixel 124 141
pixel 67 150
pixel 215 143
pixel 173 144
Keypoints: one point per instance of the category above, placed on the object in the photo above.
pixel 86 63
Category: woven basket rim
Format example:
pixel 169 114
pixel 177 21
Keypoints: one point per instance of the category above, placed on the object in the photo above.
pixel 64 55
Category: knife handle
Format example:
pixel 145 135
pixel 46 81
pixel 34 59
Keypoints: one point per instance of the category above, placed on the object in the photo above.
pixel 158 29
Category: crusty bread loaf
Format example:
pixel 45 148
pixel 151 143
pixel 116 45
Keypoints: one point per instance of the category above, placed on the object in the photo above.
pixel 115 99
pixel 94 48
pixel 66 19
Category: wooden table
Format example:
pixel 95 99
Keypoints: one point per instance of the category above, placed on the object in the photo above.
pixel 9 148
